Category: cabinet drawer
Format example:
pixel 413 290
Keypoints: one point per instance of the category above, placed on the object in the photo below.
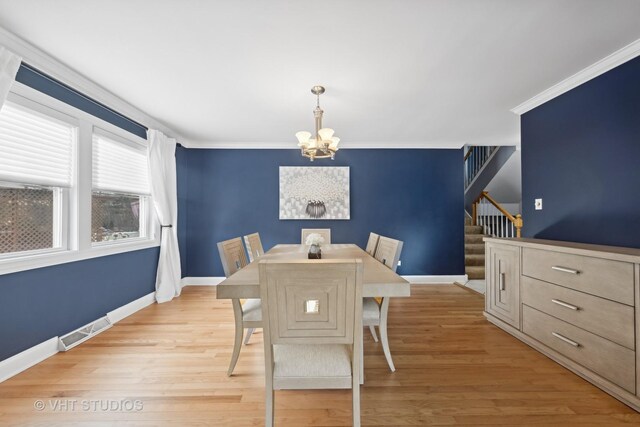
pixel 606 358
pixel 608 319
pixel 605 278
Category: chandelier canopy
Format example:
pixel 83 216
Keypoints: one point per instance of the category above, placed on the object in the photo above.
pixel 323 144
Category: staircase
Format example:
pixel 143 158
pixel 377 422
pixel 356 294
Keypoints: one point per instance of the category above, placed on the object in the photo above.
pixel 487 216
pixel 473 250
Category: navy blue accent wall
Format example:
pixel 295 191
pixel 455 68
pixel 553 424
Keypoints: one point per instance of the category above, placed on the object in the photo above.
pixel 39 304
pixel 182 171
pixel 412 195
pixel 581 155
pixel 45 84
pixel 36 305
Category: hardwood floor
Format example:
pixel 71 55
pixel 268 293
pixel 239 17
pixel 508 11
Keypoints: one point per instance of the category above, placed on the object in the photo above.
pixel 453 367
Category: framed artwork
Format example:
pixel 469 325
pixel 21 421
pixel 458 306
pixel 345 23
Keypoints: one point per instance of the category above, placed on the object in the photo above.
pixel 314 192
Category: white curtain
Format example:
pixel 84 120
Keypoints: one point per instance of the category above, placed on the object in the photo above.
pixel 9 64
pixel 162 176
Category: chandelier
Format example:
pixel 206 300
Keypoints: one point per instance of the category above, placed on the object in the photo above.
pixel 323 145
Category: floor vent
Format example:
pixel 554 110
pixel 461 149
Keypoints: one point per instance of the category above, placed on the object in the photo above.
pixel 80 335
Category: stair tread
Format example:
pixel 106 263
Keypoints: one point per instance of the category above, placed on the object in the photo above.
pixel 473 229
pixel 474 248
pixel 475 272
pixel 474 260
pixel 474 238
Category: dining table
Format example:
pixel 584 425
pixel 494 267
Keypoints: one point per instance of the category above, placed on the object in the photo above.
pixel 378 280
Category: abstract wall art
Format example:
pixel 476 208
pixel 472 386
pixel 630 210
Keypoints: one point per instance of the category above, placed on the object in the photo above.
pixel 314 192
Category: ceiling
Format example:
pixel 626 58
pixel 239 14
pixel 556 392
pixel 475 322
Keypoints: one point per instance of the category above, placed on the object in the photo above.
pixel 398 73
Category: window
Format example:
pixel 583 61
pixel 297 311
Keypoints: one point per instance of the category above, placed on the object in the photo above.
pixel 36 173
pixel 72 186
pixel 120 196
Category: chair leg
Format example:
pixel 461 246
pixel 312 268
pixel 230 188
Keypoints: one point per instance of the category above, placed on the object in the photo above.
pixel 356 403
pixel 384 311
pixel 237 314
pixel 361 381
pixel 269 419
pixel 248 335
pixel 373 333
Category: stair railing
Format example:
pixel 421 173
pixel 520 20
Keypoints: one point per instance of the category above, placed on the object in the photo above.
pixel 494 219
pixel 474 159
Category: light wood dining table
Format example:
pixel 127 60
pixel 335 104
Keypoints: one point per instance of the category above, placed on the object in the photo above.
pixel 378 280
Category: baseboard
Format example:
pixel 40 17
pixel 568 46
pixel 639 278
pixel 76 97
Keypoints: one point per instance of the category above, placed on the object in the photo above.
pixel 31 356
pixel 426 280
pixel 201 281
pixel 38 353
pixel 128 309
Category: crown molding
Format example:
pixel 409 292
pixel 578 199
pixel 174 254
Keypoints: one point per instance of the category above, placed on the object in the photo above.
pixel 62 72
pixel 617 58
pixel 291 145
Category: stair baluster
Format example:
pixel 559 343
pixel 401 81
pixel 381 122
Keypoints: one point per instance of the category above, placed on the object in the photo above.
pixel 474 160
pixel 494 219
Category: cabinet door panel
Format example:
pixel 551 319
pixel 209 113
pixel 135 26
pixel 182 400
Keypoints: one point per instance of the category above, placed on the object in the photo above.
pixel 503 282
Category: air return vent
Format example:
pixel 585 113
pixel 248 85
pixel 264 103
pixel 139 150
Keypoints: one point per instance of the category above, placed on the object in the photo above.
pixel 82 334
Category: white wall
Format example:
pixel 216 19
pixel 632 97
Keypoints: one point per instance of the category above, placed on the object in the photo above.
pixel 506 186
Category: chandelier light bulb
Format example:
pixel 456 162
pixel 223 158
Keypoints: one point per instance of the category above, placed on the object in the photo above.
pixel 303 137
pixel 326 133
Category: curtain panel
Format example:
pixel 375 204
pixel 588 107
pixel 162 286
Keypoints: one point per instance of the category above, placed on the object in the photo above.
pixel 162 177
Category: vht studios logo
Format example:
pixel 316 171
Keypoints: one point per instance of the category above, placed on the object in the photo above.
pixel 89 405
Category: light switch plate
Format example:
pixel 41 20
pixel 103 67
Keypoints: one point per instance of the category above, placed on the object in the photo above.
pixel 538 204
pixel 399 263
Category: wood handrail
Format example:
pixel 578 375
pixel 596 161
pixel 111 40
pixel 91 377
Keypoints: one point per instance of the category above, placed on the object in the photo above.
pixel 485 195
pixel 516 220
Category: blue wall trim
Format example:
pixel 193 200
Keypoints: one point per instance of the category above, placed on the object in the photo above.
pixel 580 153
pixel 41 82
pixel 412 195
pixel 39 304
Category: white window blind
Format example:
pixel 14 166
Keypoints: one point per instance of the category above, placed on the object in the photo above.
pixel 118 167
pixel 35 149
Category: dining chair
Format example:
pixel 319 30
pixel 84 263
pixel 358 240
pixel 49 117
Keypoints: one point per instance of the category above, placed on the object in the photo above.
pixel 247 314
pixel 375 311
pixel 312 327
pixel 254 246
pixel 372 244
pixel 324 232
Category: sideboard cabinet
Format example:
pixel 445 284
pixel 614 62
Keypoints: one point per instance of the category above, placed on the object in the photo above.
pixel 576 303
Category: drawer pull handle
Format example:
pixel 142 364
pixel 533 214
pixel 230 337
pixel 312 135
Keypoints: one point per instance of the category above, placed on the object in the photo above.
pixel 564 269
pixel 564 304
pixel 565 339
pixel 502 284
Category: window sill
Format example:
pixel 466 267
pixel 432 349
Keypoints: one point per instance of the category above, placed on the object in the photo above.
pixel 23 263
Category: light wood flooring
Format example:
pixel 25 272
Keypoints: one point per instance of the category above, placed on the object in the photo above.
pixel 453 368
